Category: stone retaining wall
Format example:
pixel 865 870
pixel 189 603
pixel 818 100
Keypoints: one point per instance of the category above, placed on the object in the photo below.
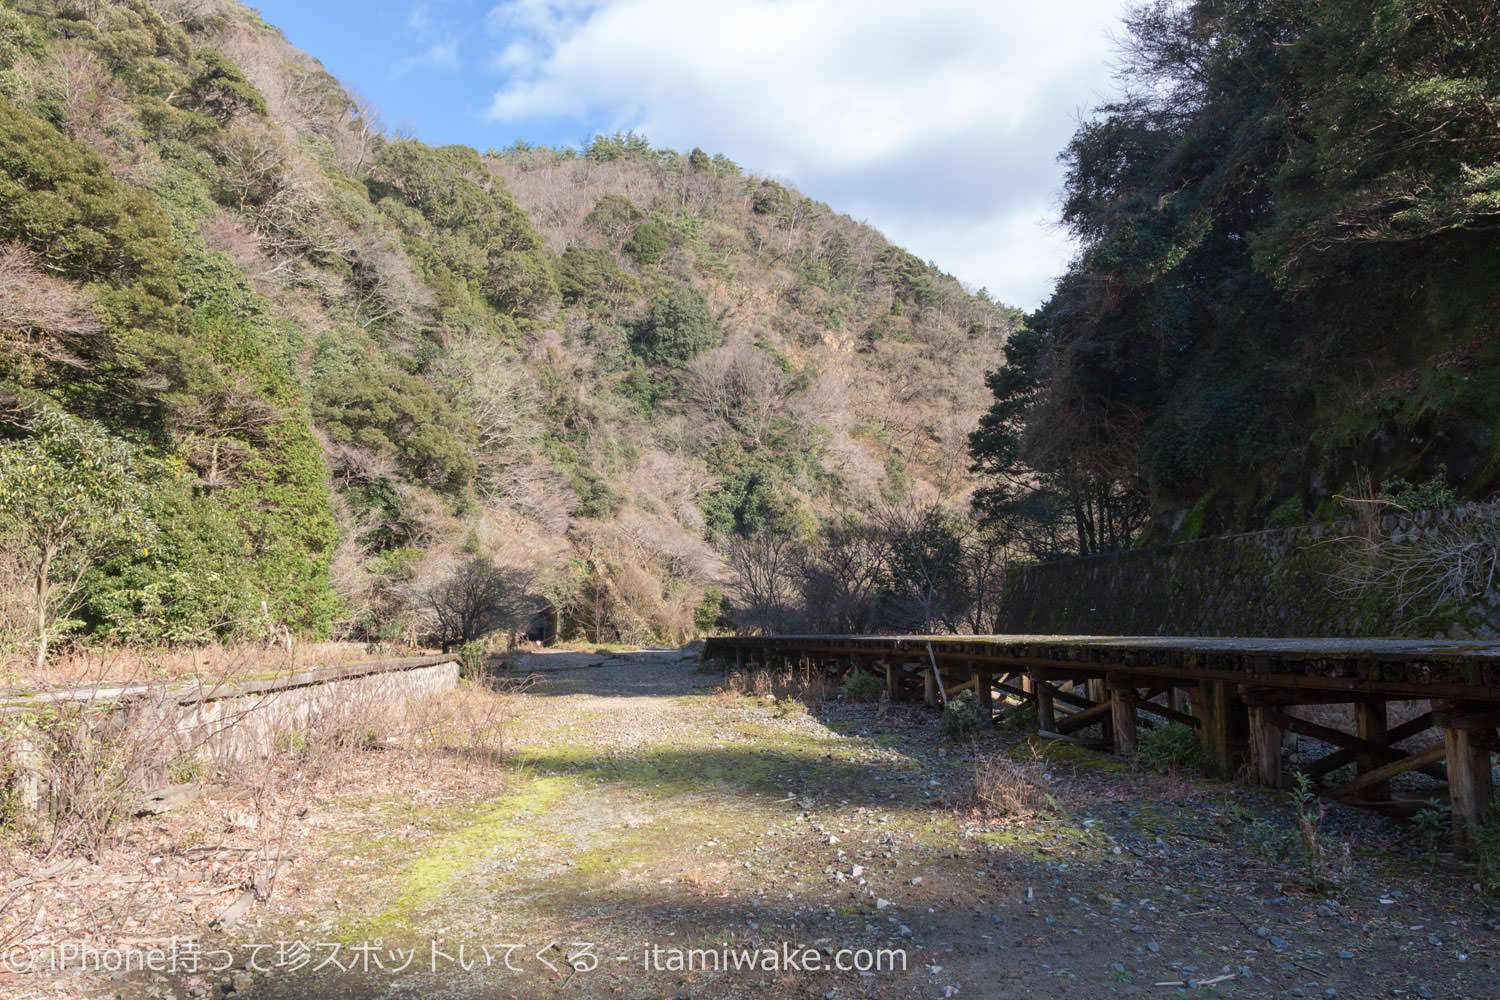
pixel 1268 583
pixel 220 724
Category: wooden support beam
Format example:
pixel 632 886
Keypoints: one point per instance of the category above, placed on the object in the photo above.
pixel 982 682
pixel 1353 746
pixel 1075 721
pixel 1405 731
pixel 1171 714
pixel 892 685
pixel 1225 732
pixel 1123 720
pixel 1410 763
pixel 1100 698
pixel 1256 695
pixel 1265 748
pixel 1066 697
pixel 1370 725
pixel 1011 689
pixel 1471 718
pixel 1470 786
pixel 1046 716
pixel 937 678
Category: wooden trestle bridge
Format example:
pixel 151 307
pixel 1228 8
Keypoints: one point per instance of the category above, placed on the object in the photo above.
pixel 1240 695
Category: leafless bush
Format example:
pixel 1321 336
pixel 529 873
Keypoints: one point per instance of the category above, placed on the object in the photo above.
pixel 77 767
pixel 777 683
pixel 476 598
pixel 1419 569
pixel 764 588
pixel 1006 789
pixel 740 387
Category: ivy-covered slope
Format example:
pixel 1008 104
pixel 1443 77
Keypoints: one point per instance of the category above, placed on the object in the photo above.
pixel 1287 283
pixel 343 365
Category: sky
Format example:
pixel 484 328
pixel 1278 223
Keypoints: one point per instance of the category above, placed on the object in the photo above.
pixel 938 122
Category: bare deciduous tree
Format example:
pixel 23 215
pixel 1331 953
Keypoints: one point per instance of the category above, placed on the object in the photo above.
pixel 764 589
pixel 478 598
pixel 923 545
pixel 222 422
pixel 44 320
pixel 739 386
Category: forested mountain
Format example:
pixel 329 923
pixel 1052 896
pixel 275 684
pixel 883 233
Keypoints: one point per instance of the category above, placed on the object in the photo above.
pixel 1288 279
pixel 266 368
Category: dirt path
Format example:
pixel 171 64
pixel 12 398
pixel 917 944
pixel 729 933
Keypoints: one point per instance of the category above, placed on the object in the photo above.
pixel 643 810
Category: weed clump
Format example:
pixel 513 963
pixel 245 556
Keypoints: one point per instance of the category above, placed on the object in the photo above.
pixel 1172 748
pixel 473 655
pixel 964 718
pixel 1020 716
pixel 862 686
pixel 1323 864
pixel 1484 840
pixel 1007 789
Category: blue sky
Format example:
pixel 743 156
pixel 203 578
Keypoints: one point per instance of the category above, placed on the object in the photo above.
pixel 937 122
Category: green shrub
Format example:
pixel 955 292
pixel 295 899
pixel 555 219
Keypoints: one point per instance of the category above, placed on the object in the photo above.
pixel 589 276
pixel 393 413
pixel 647 244
pixel 1433 494
pixel 964 718
pixel 1171 748
pixel 681 326
pixel 862 686
pixel 613 216
pixel 1018 715
pixel 1485 841
pixel 474 654
pixel 710 610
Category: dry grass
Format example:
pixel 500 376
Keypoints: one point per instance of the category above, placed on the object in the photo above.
pixel 1006 789
pixel 215 662
pixel 251 799
pixel 795 683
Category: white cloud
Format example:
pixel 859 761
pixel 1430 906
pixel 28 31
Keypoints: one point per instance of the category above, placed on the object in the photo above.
pixel 439 55
pixel 939 122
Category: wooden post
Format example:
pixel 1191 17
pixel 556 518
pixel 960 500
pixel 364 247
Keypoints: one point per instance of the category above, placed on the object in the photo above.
pixel 1122 718
pixel 1470 785
pixel 1265 749
pixel 739 657
pixel 982 682
pixel 929 686
pixel 1046 717
pixel 1226 727
pixel 892 690
pixel 1098 695
pixel 1370 724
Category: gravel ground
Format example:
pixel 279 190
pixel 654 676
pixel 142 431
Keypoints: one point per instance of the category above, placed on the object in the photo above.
pixel 645 819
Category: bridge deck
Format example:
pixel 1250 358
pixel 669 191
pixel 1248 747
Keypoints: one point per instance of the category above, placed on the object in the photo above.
pixel 1240 694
